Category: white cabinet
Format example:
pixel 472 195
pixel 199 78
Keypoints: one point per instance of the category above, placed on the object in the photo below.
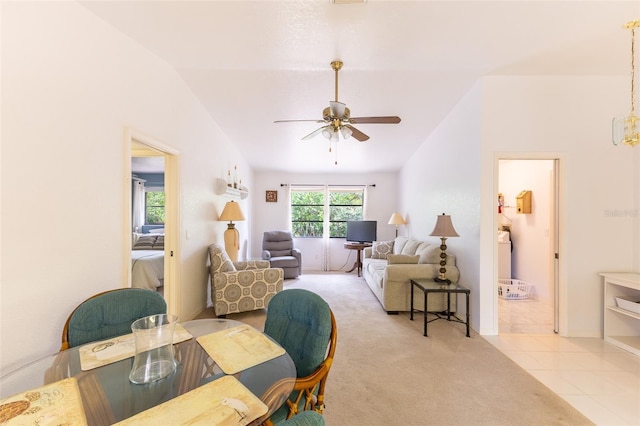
pixel 504 260
pixel 621 326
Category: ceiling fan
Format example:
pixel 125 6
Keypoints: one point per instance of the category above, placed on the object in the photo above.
pixel 337 118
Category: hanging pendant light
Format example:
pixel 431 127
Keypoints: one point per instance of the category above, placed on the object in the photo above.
pixel 626 130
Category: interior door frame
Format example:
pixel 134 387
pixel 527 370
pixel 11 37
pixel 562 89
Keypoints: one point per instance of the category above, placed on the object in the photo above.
pixel 140 145
pixel 557 236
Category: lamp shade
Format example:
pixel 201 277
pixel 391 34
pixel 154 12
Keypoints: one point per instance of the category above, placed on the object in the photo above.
pixel 444 227
pixel 232 212
pixel 397 219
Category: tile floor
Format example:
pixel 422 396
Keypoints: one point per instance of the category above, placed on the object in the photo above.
pixel 598 379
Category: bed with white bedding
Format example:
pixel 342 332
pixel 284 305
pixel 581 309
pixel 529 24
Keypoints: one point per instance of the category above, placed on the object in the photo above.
pixel 147 261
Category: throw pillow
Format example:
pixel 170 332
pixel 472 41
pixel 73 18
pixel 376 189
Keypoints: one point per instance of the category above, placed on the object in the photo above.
pixel 411 247
pixel 402 259
pixel 220 261
pixel 429 253
pixel 381 249
pixel 159 244
pixel 145 242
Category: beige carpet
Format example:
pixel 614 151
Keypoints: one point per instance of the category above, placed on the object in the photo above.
pixel 386 373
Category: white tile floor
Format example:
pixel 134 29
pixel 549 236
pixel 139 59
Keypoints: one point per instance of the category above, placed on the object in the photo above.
pixel 598 379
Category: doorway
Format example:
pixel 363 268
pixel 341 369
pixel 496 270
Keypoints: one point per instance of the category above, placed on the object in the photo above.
pixel 532 235
pixel 141 146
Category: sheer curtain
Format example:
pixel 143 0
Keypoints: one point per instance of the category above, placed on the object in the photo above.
pixel 287 201
pixel 365 202
pixel 137 218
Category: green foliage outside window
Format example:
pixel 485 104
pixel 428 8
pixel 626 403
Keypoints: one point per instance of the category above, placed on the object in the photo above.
pixel 154 208
pixel 307 213
pixel 308 209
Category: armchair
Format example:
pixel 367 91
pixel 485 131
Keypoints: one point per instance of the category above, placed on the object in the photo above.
pixel 241 286
pixel 277 248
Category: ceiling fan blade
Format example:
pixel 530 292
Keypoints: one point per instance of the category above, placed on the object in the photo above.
pixel 357 133
pixel 293 121
pixel 337 109
pixel 314 133
pixel 371 120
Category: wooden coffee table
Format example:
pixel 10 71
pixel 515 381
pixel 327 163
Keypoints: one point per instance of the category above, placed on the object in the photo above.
pixel 431 286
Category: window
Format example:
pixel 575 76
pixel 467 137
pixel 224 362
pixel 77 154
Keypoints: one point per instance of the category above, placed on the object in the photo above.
pixel 314 211
pixel 307 213
pixel 154 207
pixel 344 205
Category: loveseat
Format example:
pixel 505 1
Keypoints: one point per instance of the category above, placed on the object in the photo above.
pixel 389 266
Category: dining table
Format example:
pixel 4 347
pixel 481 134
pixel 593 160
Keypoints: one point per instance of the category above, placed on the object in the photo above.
pixel 109 397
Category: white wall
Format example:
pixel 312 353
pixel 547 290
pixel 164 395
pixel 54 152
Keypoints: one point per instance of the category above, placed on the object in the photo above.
pixel 444 177
pixel 531 234
pixel 533 117
pixel 571 116
pixel 382 202
pixel 71 85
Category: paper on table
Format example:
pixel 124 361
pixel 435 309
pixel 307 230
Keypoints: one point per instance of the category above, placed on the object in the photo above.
pixel 238 348
pixel 224 401
pixel 97 354
pixel 54 404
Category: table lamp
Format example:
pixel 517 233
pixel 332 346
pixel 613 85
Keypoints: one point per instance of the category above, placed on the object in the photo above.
pixel 397 219
pixel 232 212
pixel 443 229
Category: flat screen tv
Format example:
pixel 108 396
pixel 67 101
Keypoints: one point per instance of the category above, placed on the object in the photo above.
pixel 361 231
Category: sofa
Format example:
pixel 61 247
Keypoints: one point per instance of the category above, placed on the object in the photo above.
pixel 389 266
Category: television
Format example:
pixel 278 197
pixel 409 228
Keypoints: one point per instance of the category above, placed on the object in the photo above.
pixel 361 231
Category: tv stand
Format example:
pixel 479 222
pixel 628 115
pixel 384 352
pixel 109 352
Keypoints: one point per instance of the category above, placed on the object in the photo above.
pixel 350 245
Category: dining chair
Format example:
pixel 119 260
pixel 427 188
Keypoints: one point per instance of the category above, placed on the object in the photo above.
pixel 304 325
pixel 306 418
pixel 109 314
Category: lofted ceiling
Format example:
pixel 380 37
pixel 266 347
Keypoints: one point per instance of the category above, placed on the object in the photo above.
pixel 253 62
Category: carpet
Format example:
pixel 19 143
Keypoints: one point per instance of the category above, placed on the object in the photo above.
pixel 386 372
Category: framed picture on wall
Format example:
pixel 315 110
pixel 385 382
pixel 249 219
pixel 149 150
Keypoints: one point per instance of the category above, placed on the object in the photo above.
pixel 272 196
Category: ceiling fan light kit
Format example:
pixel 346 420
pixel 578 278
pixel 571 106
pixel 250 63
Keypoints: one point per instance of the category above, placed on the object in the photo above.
pixel 337 118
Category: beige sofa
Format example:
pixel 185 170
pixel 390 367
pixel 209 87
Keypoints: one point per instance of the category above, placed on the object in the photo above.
pixel 388 268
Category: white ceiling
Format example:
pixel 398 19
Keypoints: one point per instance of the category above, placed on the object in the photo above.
pixel 253 62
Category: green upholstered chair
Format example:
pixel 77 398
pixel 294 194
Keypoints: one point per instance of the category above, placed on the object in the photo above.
pixel 303 324
pixel 306 418
pixel 110 314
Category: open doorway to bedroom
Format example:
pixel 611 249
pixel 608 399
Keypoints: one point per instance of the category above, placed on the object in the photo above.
pixel 152 218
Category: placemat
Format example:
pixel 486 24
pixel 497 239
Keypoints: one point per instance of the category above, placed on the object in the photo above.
pixel 224 401
pixel 54 404
pixel 238 348
pixel 97 354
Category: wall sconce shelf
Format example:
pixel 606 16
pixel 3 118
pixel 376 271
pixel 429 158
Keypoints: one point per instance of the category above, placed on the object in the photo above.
pixel 221 188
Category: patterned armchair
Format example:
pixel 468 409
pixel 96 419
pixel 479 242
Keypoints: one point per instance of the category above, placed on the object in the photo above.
pixel 241 286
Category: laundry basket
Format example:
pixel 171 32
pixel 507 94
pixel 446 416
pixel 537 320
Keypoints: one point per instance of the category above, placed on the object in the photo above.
pixel 513 289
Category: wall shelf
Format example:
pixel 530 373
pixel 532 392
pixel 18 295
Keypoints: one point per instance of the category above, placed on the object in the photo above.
pixel 221 188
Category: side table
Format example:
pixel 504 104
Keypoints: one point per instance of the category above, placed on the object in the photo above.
pixel 431 286
pixel 358 247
